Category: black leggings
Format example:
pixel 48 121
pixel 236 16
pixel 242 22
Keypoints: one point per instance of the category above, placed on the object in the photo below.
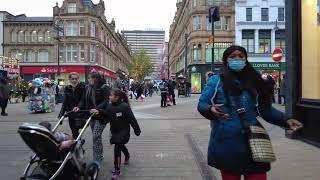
pixel 118 148
pixel 3 104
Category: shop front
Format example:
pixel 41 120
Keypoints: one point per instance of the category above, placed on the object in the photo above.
pixel 31 72
pixel 197 74
pixel 303 66
pixel 272 68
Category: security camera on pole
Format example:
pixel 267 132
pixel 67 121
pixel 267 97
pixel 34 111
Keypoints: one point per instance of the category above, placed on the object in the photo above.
pixel 214 15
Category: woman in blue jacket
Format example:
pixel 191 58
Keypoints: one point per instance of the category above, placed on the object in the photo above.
pixel 238 85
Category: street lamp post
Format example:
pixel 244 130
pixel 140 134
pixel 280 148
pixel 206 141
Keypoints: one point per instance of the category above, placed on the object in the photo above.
pixel 186 54
pixel 214 15
pixel 59 30
pixel 276 28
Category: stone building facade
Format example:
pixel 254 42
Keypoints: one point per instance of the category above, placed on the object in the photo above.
pixel 87 44
pixel 191 27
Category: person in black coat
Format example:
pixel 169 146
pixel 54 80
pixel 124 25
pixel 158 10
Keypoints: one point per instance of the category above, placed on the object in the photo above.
pixel 121 118
pixel 72 96
pixel 171 87
pixel 96 95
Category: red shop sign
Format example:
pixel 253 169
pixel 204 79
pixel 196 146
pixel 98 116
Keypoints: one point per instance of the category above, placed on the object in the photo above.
pixel 105 72
pixel 51 69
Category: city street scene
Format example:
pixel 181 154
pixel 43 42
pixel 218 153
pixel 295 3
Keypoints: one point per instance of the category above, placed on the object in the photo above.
pixel 160 90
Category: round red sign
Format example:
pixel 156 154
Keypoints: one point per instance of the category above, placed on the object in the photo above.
pixel 277 55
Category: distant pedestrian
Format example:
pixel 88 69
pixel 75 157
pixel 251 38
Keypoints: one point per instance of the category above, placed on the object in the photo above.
pixel 270 85
pixel 4 96
pixel 121 118
pixel 171 87
pixel 283 89
pixel 164 92
pixel 188 86
pixel 139 89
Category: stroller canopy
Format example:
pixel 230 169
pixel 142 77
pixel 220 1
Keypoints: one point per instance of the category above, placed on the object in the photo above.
pixel 41 141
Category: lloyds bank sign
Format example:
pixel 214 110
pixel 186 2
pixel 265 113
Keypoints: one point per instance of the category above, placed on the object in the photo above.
pixel 268 65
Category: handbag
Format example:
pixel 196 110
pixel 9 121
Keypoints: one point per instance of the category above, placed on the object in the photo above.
pixel 258 139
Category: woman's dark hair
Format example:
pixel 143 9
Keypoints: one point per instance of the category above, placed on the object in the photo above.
pixel 122 95
pixel 249 79
pixel 99 79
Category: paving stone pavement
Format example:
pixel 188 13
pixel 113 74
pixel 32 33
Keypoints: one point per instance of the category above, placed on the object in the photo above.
pixel 173 145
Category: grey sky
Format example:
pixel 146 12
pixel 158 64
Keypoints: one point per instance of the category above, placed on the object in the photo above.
pixel 128 14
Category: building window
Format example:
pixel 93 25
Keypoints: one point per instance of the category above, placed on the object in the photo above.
pixel 82 52
pixel 43 56
pixel 194 3
pixel 217 2
pixel 13 36
pixel 34 36
pixel 208 53
pixel 62 52
pixel 210 2
pixel 27 56
pixel 81 28
pixel 27 37
pixel 72 28
pixel 102 35
pixel 264 14
pixel 209 24
pixel 217 25
pixel 249 14
pixel 226 2
pixel 248 40
pixel 280 14
pixel 264 41
pixel 40 36
pixel 72 8
pixel 196 23
pixel 219 49
pixel 226 23
pixel 72 53
pixel 197 53
pixel 20 36
pixel 93 29
pixel 92 53
pixel 47 37
pixel 281 40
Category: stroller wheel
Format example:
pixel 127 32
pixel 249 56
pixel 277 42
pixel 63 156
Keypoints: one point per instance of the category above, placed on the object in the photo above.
pixel 91 172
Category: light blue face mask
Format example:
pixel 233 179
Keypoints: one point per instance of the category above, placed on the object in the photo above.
pixel 237 65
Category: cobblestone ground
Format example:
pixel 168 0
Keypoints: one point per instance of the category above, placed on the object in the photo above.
pixel 173 145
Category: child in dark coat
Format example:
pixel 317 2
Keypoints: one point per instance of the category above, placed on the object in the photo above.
pixel 121 117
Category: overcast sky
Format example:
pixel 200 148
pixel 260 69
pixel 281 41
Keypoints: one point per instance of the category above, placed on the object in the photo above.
pixel 128 14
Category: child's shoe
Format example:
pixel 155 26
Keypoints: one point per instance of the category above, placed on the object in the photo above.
pixel 115 175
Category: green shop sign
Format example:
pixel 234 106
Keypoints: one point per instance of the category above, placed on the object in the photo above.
pixel 268 65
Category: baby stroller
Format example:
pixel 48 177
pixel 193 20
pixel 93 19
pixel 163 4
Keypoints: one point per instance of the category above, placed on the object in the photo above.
pixel 49 162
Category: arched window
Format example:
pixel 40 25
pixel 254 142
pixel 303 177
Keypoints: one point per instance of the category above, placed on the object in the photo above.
pixel 27 36
pixel 13 36
pixel 43 56
pixel 40 36
pixel 47 37
pixel 21 36
pixel 34 36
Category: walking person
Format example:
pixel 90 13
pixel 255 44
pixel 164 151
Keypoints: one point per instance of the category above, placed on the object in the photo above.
pixel 72 95
pixel 4 96
pixel 139 90
pixel 163 86
pixel 121 118
pixel 229 101
pixel 283 89
pixel 96 95
pixel 171 87
pixel 270 85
